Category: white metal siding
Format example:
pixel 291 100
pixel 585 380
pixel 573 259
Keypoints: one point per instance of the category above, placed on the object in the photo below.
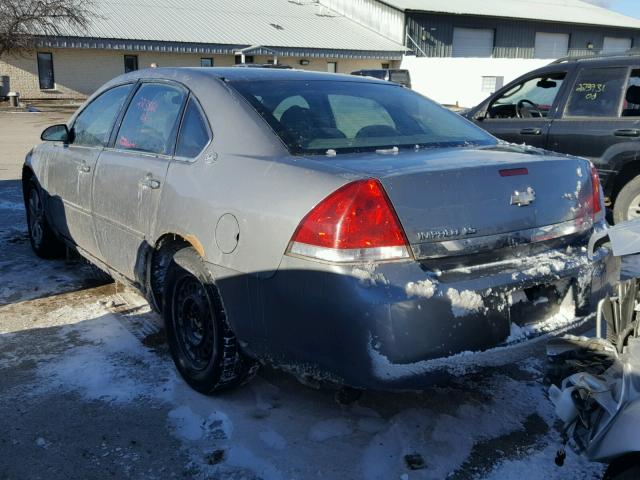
pixel 383 19
pixel 551 45
pixel 472 42
pixel 613 44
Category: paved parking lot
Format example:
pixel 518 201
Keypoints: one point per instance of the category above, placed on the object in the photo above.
pixel 88 390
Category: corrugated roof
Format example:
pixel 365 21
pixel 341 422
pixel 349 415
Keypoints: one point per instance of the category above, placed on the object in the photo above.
pixel 565 11
pixel 275 23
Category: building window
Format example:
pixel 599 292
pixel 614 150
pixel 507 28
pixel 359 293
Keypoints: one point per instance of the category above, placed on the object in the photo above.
pixel 247 59
pixel 551 45
pixel 130 63
pixel 206 62
pixel 616 45
pixel 45 71
pixel 492 84
pixel 385 66
pixel 472 42
pixel 332 67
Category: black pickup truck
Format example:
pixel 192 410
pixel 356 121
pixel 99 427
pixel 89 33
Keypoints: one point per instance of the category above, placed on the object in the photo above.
pixel 587 106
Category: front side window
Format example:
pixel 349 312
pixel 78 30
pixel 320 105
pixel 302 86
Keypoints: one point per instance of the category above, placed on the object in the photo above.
pixel 532 98
pixel 353 116
pixel 151 121
pixel 93 125
pixel 597 93
pixel 194 134
pixel 130 63
pixel 45 71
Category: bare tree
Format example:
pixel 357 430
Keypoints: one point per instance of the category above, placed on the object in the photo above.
pixel 22 22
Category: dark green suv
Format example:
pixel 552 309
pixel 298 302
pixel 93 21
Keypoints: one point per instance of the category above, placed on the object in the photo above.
pixel 587 106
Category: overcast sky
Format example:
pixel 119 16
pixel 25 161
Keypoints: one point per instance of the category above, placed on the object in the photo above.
pixel 628 7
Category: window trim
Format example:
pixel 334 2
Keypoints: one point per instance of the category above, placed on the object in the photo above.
pixel 553 111
pixel 111 146
pixel 207 127
pixel 124 59
pixel 618 116
pixel 53 73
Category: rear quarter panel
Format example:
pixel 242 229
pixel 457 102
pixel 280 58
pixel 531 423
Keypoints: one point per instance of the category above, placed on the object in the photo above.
pixel 245 172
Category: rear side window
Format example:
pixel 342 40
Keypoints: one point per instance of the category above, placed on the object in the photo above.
pixel 597 93
pixel 631 103
pixel 194 134
pixel 151 121
pixel 93 125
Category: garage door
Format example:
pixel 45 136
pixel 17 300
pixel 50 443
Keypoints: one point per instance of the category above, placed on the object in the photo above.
pixel 613 45
pixel 472 42
pixel 551 45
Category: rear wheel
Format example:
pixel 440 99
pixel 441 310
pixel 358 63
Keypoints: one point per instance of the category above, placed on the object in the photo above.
pixel 627 206
pixel 43 240
pixel 202 345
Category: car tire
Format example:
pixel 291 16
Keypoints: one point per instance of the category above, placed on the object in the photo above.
pixel 629 194
pixel 202 344
pixel 44 241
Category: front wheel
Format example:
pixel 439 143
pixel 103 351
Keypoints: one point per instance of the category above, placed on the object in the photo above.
pixel 201 342
pixel 627 206
pixel 43 240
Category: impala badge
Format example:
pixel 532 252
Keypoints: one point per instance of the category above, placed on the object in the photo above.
pixel 522 199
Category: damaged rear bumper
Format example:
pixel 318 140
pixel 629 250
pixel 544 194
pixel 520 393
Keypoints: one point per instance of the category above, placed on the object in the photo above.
pixel 383 327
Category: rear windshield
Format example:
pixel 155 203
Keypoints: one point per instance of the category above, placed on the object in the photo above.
pixel 313 117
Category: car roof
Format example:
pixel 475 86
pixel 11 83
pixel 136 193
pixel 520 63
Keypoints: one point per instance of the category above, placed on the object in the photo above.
pixel 620 58
pixel 247 74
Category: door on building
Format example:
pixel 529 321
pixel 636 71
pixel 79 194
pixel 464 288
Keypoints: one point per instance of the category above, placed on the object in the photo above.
pixel 72 167
pixel 603 110
pixel 523 112
pixel 472 42
pixel 551 45
pixel 616 45
pixel 136 166
pixel 332 67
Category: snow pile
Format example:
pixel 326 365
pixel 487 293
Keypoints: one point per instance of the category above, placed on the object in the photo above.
pixel 326 429
pixel 367 275
pixel 465 302
pixel 422 288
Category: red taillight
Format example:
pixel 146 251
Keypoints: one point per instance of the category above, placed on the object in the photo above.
pixel 595 191
pixel 354 223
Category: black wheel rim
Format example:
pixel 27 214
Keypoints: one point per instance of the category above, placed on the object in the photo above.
pixel 36 217
pixel 193 322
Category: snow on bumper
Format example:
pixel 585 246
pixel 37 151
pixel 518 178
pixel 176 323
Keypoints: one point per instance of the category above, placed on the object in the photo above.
pixel 390 325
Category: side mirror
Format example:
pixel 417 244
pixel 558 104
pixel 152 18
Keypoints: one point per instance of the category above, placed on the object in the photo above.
pixel 480 115
pixel 56 133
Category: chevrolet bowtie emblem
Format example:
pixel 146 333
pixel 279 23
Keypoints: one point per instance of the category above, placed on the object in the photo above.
pixel 522 199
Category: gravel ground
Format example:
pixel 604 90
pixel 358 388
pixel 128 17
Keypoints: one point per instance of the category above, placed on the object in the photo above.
pixel 88 390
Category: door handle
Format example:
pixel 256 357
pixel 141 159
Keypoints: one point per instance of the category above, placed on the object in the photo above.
pixel 150 182
pixel 84 168
pixel 531 131
pixel 627 132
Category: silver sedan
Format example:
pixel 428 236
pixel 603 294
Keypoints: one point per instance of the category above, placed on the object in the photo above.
pixel 341 227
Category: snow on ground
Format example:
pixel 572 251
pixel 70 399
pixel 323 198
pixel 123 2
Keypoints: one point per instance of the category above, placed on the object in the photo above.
pixel 99 354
